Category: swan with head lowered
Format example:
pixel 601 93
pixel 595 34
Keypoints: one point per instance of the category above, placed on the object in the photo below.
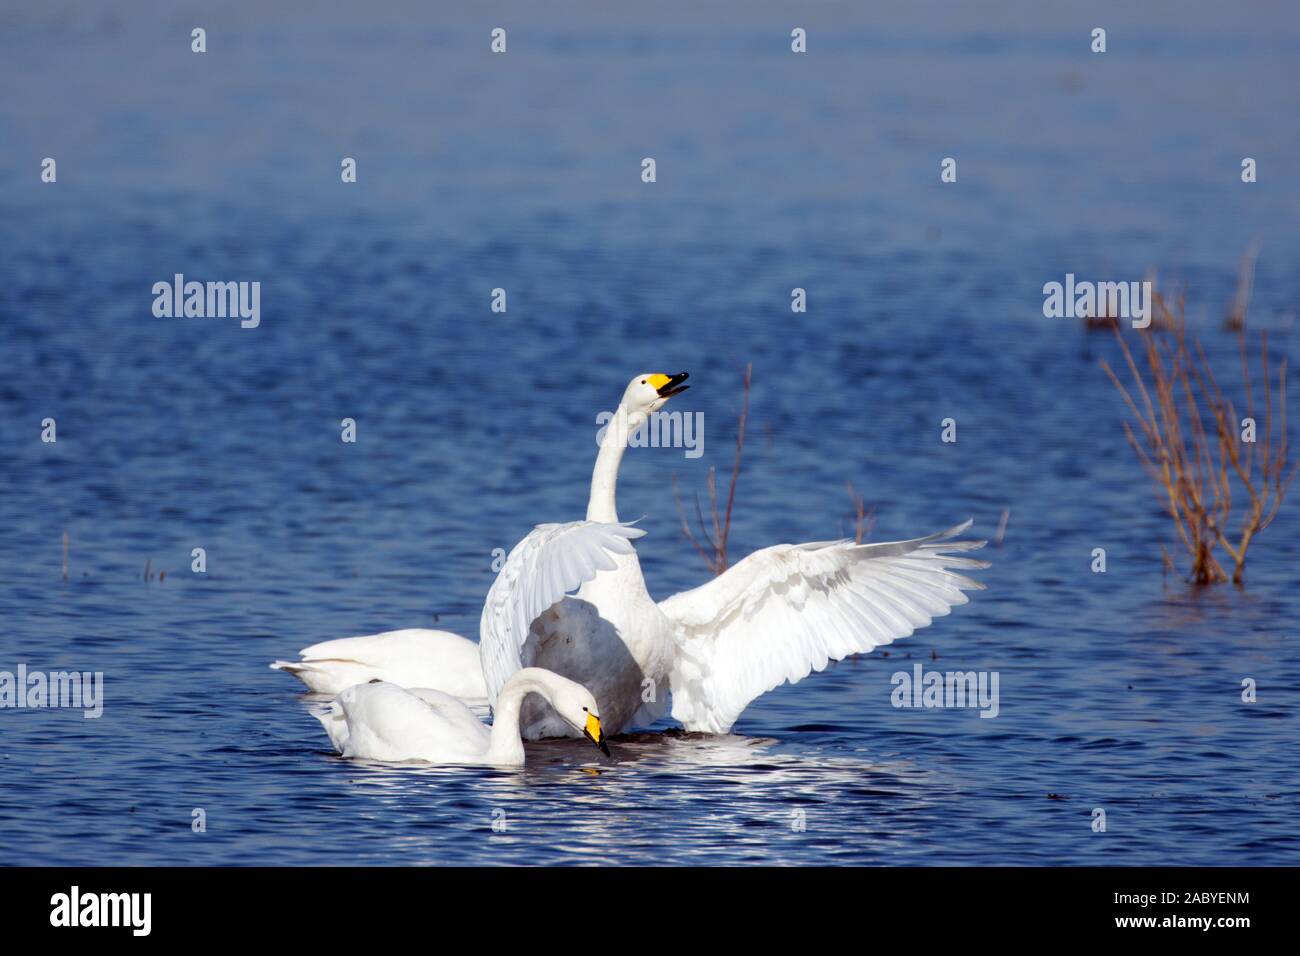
pixel 382 721
pixel 571 598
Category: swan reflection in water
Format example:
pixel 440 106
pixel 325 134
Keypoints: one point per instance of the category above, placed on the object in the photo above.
pixel 664 797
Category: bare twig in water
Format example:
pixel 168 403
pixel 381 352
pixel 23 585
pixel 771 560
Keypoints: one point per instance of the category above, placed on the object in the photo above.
pixel 1194 465
pixel 1236 320
pixel 1002 528
pixel 864 519
pixel 711 542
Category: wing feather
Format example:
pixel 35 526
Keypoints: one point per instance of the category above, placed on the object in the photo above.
pixel 550 562
pixel 788 610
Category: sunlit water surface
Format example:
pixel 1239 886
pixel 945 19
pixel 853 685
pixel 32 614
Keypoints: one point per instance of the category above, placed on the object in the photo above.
pixel 1119 691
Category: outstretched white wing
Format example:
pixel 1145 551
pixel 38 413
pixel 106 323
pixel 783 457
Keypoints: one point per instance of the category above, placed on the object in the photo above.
pixel 551 561
pixel 790 609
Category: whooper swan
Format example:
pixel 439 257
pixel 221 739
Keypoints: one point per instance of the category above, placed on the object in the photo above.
pixel 381 721
pixel 770 619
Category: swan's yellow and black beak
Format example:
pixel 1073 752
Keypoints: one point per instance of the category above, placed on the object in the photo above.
pixel 593 733
pixel 669 385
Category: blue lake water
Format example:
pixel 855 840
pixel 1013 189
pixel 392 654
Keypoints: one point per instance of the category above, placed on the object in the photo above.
pixel 1119 691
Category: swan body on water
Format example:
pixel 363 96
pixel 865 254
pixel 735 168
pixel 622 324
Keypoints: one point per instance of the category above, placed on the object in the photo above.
pixel 414 657
pixel 571 598
pixel 382 721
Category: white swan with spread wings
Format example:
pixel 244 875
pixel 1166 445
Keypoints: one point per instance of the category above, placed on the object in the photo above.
pixel 571 598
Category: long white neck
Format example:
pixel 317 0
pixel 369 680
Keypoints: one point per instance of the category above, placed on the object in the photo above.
pixel 604 477
pixel 505 745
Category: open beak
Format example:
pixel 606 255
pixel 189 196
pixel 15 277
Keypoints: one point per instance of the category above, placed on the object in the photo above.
pixel 593 733
pixel 671 384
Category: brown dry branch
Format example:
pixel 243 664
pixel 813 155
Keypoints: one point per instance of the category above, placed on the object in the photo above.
pixel 1104 316
pixel 1236 318
pixel 863 519
pixel 711 542
pixel 1191 442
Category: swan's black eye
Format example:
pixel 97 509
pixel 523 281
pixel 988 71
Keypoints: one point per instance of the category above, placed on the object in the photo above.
pixel 585 710
pixel 642 381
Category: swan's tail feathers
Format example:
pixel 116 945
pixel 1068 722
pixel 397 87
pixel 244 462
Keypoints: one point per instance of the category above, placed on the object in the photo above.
pixel 327 677
pixel 298 668
pixel 292 667
pixel 413 657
